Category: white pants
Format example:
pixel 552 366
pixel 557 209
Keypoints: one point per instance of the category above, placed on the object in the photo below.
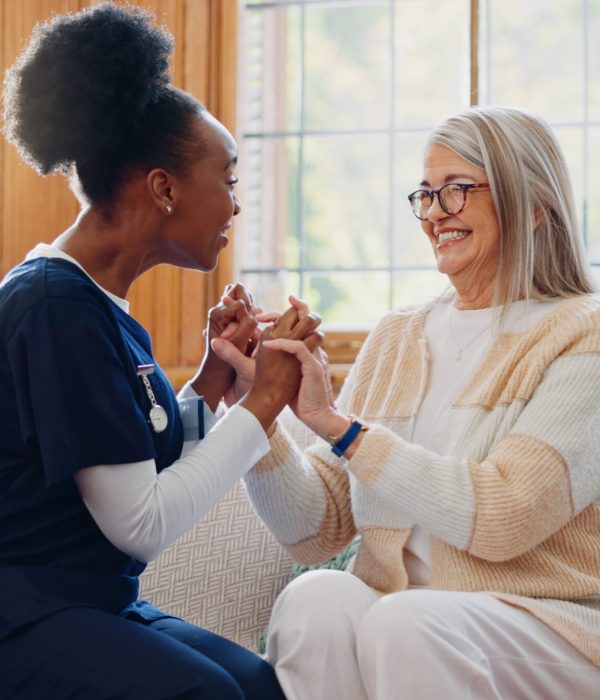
pixel 331 637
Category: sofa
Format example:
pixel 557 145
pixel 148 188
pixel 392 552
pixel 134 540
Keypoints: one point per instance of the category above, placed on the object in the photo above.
pixel 224 574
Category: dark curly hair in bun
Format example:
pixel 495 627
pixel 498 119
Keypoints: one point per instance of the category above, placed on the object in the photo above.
pixel 91 93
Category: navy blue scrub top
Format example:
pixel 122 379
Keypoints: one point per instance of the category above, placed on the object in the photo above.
pixel 70 398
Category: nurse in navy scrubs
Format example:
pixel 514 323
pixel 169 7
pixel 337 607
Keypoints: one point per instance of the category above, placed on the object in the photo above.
pixel 101 465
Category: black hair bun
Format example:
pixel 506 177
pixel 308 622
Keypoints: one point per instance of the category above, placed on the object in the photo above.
pixel 81 88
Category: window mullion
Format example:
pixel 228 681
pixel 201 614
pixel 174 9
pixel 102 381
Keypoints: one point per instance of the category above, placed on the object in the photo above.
pixel 392 159
pixel 300 207
pixel 586 117
pixel 474 53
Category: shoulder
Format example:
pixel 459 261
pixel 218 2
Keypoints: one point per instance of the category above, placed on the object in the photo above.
pixel 406 320
pixel 398 332
pixel 570 329
pixel 585 307
pixel 45 284
pixel 575 318
pixel 40 278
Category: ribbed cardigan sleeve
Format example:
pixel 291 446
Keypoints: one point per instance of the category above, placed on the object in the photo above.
pixel 303 497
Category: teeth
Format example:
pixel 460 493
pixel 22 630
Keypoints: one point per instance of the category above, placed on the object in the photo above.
pixel 452 236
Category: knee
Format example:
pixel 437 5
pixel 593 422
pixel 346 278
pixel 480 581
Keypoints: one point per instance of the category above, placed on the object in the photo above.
pixel 400 621
pixel 259 681
pixel 190 684
pixel 319 605
pixel 320 596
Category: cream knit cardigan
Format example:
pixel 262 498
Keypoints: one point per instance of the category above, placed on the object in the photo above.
pixel 510 494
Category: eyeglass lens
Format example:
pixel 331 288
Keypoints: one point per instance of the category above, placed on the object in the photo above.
pixel 451 198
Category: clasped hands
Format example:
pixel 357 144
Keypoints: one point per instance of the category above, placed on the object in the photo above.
pixel 273 357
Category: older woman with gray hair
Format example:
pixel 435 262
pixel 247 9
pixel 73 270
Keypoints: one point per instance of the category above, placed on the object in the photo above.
pixel 463 450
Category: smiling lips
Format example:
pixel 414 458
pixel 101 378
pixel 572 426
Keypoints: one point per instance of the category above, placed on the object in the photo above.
pixel 451 235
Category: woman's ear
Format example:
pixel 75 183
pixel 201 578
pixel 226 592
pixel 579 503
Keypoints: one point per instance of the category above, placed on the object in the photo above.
pixel 162 190
pixel 538 215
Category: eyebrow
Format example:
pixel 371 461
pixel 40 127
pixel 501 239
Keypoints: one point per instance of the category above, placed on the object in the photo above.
pixel 449 178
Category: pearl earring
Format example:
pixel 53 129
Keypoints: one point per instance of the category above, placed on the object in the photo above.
pixel 169 208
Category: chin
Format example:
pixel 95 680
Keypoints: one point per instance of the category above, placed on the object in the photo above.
pixel 440 264
pixel 208 265
pixel 448 264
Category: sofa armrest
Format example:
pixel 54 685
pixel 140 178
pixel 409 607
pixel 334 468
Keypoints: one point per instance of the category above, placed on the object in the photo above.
pixel 224 574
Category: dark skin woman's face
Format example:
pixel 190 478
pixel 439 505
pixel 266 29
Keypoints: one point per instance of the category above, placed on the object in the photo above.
pixel 205 202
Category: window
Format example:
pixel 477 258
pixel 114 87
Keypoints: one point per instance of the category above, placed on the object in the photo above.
pixel 336 100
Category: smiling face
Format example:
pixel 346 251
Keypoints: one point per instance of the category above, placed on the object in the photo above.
pixel 204 201
pixel 466 245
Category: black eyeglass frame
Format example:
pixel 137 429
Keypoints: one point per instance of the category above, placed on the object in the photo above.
pixel 464 186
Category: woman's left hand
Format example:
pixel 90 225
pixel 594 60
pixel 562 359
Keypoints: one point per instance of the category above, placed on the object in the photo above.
pixel 233 319
pixel 314 403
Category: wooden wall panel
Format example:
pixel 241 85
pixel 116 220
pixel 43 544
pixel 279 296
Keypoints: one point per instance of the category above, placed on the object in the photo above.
pixel 32 209
pixel 171 303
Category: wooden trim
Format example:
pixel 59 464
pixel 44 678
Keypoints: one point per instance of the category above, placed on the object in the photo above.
pixel 342 346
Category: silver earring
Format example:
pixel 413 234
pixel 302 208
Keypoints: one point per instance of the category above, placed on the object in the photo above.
pixel 169 208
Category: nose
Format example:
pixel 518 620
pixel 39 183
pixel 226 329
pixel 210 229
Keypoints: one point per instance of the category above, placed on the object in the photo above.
pixel 237 207
pixel 435 211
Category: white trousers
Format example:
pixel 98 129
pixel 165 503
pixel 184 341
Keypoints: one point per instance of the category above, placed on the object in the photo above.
pixel 331 637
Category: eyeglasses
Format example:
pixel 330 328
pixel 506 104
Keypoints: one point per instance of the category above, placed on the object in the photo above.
pixel 452 198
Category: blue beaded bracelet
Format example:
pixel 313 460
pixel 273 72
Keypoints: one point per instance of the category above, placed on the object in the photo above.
pixel 347 438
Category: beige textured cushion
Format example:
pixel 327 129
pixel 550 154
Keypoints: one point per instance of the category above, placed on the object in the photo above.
pixel 224 574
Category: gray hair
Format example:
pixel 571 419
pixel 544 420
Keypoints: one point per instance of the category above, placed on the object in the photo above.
pixel 541 250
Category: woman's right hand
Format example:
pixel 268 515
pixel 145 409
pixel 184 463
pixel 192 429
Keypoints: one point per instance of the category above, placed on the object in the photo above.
pixel 278 374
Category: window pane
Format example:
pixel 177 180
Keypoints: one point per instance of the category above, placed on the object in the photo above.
pixel 270 290
pixel 571 141
pixel 270 75
pixel 593 32
pixel 346 200
pixel 593 204
pixel 267 230
pixel 347 66
pixel 371 78
pixel 417 286
pixel 431 60
pixel 348 299
pixel 534 56
pixel 410 245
